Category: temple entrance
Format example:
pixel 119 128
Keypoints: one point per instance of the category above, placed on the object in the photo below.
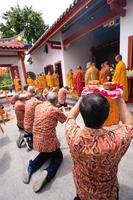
pixel 106 53
pixel 48 68
pixel 58 68
pixel 107 45
pixel 7 74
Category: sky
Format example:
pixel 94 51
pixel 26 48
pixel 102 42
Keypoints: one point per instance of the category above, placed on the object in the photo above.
pixel 51 9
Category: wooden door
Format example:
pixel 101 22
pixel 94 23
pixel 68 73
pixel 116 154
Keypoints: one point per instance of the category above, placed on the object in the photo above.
pixel 58 68
pixel 48 68
pixel 14 72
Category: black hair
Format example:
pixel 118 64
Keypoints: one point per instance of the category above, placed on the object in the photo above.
pixel 106 63
pixel 94 109
pixel 39 97
pixel 25 87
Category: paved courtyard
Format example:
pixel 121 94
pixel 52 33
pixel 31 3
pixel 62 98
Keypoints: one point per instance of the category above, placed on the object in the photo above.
pixel 13 159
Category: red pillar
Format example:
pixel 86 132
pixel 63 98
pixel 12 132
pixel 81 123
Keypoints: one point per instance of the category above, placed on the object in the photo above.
pixel 22 57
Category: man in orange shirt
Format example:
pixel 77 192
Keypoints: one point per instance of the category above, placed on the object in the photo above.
pixel 19 108
pixel 96 152
pixel 45 142
pixel 62 94
pixel 29 114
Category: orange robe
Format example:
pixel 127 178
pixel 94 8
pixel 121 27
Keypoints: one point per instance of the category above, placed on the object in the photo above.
pixel 17 84
pixel 37 83
pixel 56 80
pixel 91 74
pixel 78 81
pixel 120 77
pixel 70 79
pixel 50 80
pixel 42 79
pixel 103 74
pixel 30 82
pixel 114 113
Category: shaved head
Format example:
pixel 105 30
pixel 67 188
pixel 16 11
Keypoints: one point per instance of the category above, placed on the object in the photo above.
pixel 118 57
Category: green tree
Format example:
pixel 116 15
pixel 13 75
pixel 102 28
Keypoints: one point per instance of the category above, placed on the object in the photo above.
pixel 17 20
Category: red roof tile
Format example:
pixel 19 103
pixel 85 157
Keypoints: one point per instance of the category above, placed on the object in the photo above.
pixel 13 45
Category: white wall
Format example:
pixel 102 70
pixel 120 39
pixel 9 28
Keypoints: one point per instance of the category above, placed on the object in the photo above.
pixel 78 53
pixel 126 30
pixel 11 60
pixel 42 59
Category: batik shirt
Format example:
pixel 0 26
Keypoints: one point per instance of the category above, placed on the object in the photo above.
pixel 44 128
pixel 96 154
pixel 19 108
pixel 29 113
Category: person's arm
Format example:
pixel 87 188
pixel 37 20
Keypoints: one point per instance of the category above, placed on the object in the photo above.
pixel 60 116
pixel 75 110
pixel 125 115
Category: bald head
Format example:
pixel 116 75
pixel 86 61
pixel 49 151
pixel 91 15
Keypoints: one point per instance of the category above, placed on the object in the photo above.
pixel 88 65
pixel 118 58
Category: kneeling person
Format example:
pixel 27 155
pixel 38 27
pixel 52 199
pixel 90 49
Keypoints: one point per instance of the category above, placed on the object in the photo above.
pixel 45 142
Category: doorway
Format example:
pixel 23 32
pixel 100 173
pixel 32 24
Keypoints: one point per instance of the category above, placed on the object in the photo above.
pixel 58 68
pixel 48 68
pixel 7 74
pixel 106 53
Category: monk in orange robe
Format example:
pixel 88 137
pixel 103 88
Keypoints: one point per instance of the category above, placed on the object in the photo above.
pixel 50 80
pixel 44 83
pixel 17 84
pixel 70 78
pixel 91 74
pixel 120 76
pixel 78 77
pixel 104 74
pixel 29 81
pixel 56 80
pixel 42 80
pixel 37 82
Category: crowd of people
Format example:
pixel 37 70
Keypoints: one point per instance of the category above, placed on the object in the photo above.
pixel 41 81
pixel 95 150
pixel 78 78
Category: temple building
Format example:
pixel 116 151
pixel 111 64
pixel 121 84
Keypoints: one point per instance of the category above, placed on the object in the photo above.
pixel 12 55
pixel 89 30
